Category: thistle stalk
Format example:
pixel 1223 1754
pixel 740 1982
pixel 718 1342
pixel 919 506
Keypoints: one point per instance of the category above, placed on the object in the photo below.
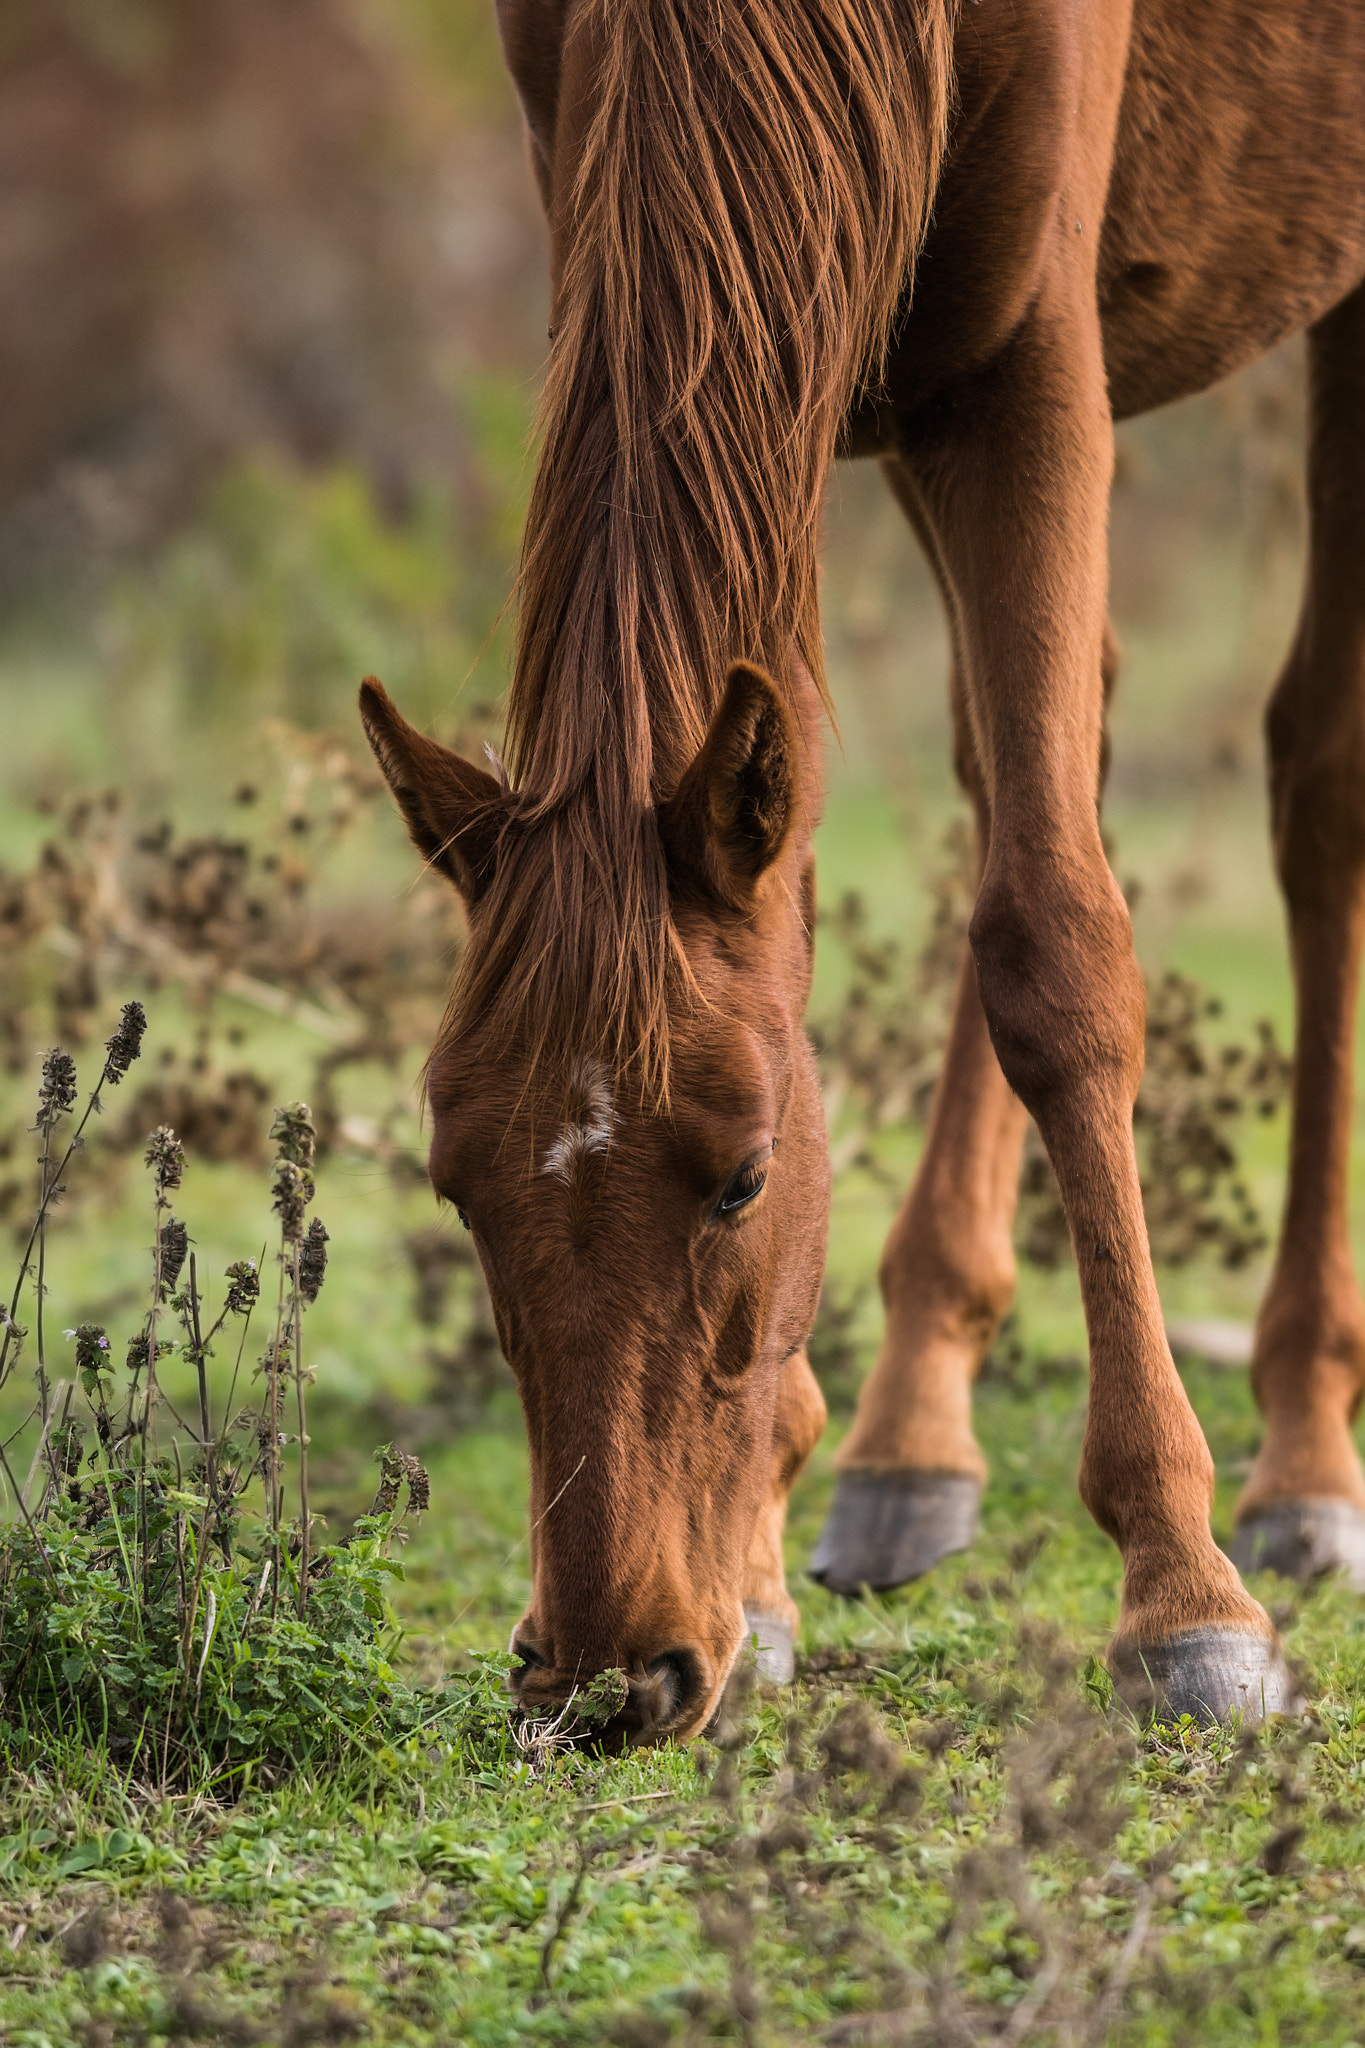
pixel 304 1259
pixel 301 1404
pixel 119 1053
pixel 166 1157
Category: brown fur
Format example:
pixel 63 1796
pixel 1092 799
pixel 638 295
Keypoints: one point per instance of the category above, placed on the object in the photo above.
pixel 1129 202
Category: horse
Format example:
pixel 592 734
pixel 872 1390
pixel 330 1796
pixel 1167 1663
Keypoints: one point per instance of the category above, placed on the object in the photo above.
pixel 963 240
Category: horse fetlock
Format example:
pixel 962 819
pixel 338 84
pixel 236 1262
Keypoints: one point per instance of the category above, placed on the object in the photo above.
pixel 1305 1456
pixel 1169 1520
pixel 915 1407
pixel 947 1271
pixel 1145 1456
pixel 1308 1375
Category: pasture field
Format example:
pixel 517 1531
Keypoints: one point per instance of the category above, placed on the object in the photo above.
pixel 940 1835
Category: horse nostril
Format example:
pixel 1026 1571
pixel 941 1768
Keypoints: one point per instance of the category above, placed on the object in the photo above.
pixel 528 1660
pixel 679 1679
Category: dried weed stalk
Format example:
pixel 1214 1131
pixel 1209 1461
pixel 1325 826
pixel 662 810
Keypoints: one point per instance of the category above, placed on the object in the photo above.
pixel 141 1586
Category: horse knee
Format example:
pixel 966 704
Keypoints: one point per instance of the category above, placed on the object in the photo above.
pixel 1061 989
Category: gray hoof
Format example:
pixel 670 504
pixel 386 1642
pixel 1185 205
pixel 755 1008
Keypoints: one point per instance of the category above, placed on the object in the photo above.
pixel 772 1644
pixel 1303 1539
pixel 885 1528
pixel 1214 1674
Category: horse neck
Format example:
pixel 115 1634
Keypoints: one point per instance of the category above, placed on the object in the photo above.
pixel 734 225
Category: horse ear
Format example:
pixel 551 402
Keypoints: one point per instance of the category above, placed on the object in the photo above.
pixel 454 811
pixel 728 819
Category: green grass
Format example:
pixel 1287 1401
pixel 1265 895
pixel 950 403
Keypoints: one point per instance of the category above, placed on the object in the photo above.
pixel 412 1897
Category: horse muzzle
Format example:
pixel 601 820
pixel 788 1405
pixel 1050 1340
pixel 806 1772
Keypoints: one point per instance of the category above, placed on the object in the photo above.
pixel 617 1707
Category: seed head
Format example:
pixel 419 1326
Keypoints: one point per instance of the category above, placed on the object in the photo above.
pixel 390 1479
pixel 126 1044
pixel 174 1243
pixel 294 1135
pixel 292 1192
pixel 275 1358
pixel 313 1260
pixel 396 1469
pixel 93 1356
pixel 244 1287
pixel 136 1357
pixel 57 1095
pixel 166 1156
pixel 419 1487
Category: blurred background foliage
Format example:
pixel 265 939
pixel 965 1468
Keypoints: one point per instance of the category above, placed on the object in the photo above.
pixel 272 316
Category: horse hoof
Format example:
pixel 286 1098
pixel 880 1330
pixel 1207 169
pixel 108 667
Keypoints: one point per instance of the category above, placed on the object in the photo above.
pixel 885 1528
pixel 1303 1539
pixel 773 1644
pixel 1215 1674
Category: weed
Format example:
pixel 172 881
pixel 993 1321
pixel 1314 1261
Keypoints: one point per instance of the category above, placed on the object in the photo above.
pixel 163 1593
pixel 232 919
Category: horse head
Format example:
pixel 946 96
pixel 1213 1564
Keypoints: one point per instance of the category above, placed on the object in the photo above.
pixel 653 1254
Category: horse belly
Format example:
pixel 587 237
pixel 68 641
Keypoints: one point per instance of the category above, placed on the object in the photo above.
pixel 1236 206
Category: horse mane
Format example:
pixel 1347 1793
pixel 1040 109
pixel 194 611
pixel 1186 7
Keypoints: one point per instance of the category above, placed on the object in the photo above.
pixel 752 191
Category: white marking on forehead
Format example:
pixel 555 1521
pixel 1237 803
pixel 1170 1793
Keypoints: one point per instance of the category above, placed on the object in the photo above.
pixel 591 1122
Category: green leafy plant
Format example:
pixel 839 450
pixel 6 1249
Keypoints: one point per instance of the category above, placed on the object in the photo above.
pixel 163 1590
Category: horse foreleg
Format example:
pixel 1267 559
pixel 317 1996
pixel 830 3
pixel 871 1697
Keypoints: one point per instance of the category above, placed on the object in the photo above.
pixel 770 1613
pixel 1015 477
pixel 1303 1509
pixel 910 1468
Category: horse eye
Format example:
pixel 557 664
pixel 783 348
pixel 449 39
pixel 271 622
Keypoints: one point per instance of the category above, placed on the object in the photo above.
pixel 461 1214
pixel 747 1183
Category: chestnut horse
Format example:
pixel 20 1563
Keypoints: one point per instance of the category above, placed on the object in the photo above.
pixel 964 243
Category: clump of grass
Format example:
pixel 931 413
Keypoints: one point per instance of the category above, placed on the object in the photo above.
pixel 163 1590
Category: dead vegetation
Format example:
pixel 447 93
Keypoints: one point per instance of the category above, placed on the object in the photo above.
pixel 248 927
